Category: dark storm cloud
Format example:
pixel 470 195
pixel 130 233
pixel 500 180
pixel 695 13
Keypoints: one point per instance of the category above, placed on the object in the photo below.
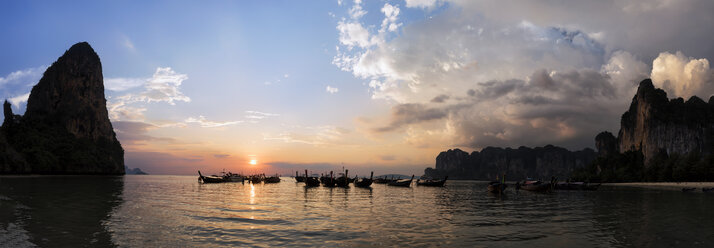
pixel 440 98
pixel 411 113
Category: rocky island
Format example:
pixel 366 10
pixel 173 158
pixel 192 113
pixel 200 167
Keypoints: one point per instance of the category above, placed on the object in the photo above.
pixel 66 127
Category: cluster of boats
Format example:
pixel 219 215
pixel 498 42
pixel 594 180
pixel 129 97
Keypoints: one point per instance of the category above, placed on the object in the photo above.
pixel 541 186
pixel 231 177
pixel 343 180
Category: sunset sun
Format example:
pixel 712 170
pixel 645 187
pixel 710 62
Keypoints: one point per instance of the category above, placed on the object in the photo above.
pixel 253 162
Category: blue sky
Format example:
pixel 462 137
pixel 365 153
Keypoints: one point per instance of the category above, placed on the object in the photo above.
pixel 377 85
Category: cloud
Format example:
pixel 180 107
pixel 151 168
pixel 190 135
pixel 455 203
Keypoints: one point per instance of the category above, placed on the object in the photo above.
pixel 426 4
pixel 122 84
pixel 136 133
pixel 254 116
pixel 317 135
pixel 387 157
pixel 478 73
pixel 440 98
pixel 354 34
pixel 27 77
pixel 332 90
pixel 203 122
pixel 391 13
pixel 221 155
pixel 19 100
pixel 682 76
pixel 15 86
pixel 163 86
pixel 356 11
pixel 126 42
pixel 405 114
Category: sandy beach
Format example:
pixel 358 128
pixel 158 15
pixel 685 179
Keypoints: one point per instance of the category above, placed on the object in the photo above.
pixel 666 185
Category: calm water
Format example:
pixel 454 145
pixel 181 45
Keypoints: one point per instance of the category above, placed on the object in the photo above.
pixel 176 211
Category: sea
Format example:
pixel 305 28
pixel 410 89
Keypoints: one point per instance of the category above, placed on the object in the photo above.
pixel 178 211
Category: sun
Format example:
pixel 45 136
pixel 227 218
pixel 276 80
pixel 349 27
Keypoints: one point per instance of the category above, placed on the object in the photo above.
pixel 253 162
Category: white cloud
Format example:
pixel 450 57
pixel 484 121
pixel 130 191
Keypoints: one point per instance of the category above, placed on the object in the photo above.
pixel 257 115
pixel 391 13
pixel 16 101
pixel 332 90
pixel 163 86
pixel 680 75
pixel 203 122
pixel 426 4
pixel 354 34
pixel 317 135
pixel 126 42
pixel 28 76
pixel 356 11
pixel 122 84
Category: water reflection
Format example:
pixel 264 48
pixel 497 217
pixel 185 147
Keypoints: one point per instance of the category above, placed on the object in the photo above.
pixel 174 211
pixel 64 211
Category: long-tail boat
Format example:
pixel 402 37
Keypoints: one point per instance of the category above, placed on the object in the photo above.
pixel 272 179
pixel 364 182
pixel 537 186
pixel 230 177
pixel 343 181
pixel 299 178
pixel 496 187
pixel 209 179
pixel 328 181
pixel 311 181
pixel 432 182
pixel 402 183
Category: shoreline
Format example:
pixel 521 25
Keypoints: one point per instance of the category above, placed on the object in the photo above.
pixel 665 185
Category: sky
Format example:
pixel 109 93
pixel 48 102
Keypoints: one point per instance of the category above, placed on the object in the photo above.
pixel 364 85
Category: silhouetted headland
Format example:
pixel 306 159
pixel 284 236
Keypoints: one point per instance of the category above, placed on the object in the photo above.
pixel 66 127
pixel 659 140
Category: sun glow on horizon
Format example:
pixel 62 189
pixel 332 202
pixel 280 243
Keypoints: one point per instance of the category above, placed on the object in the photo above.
pixel 253 162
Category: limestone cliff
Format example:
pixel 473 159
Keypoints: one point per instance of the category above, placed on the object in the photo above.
pixel 518 164
pixel 655 124
pixel 66 128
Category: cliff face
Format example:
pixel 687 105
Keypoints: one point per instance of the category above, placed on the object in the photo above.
pixel 66 128
pixel 518 164
pixel 656 124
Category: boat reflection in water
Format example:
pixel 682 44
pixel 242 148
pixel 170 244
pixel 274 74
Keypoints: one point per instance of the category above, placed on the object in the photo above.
pixel 57 211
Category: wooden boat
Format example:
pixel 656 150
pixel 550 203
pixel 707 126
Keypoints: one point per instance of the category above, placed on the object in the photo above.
pixel 273 179
pixel 255 179
pixel 496 187
pixel 311 181
pixel 707 189
pixel 343 181
pixel 209 179
pixel 688 189
pixel 432 183
pixel 328 181
pixel 230 177
pixel 591 187
pixel 402 183
pixel 382 180
pixel 299 178
pixel 536 186
pixel 364 182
